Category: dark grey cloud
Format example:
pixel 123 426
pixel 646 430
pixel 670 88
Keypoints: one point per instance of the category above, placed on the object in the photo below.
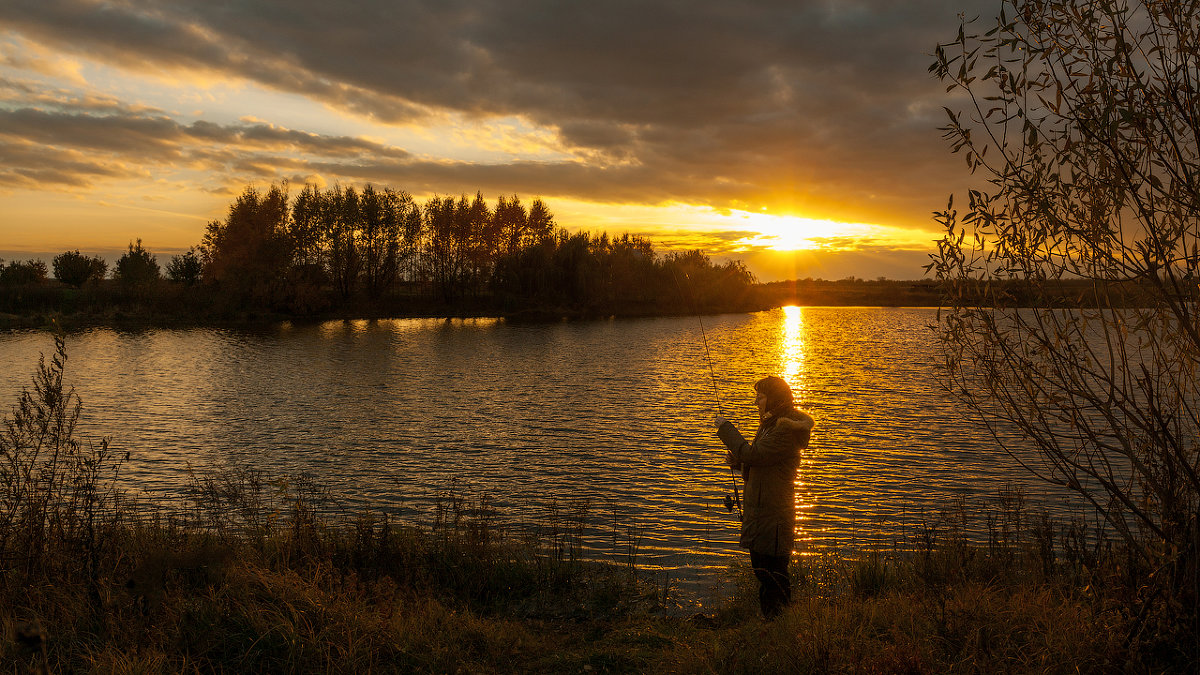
pixel 125 134
pixel 76 148
pixel 133 133
pixel 26 165
pixel 825 103
pixel 23 92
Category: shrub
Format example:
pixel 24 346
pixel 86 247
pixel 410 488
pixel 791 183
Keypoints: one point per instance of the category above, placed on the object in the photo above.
pixel 1095 183
pixel 18 273
pixel 186 268
pixel 75 269
pixel 56 492
pixel 138 266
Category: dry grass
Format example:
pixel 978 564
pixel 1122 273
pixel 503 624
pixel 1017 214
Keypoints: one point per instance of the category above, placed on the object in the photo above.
pixel 973 629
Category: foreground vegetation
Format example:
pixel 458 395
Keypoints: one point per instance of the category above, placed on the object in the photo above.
pixel 251 573
pixel 1096 183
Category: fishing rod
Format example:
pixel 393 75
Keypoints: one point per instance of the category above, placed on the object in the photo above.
pixel 736 500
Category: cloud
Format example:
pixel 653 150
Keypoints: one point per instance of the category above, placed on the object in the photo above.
pixel 28 56
pixel 74 149
pixel 819 107
pixel 26 165
pixel 21 93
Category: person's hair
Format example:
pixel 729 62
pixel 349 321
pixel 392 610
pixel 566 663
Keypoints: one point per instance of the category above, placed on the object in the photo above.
pixel 777 392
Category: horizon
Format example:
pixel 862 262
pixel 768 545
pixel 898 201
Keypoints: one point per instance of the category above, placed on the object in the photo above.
pixel 816 263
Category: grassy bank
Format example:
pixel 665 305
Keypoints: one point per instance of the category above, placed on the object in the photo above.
pixel 300 594
pixel 251 573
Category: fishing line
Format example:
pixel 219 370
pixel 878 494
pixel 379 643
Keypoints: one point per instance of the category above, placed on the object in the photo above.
pixel 737 499
pixel 703 336
pixel 712 373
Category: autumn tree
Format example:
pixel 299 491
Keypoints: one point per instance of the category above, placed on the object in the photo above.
pixel 304 227
pixel 486 242
pixel 448 238
pixel 1082 122
pixel 481 243
pixel 412 235
pixel 186 268
pixel 75 269
pixel 137 266
pixel 385 218
pixel 251 250
pixel 539 223
pixel 511 223
pixel 340 225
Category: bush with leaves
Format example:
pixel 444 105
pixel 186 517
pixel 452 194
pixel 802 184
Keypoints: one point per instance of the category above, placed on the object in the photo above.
pixel 138 267
pixel 186 268
pixel 75 269
pixel 17 273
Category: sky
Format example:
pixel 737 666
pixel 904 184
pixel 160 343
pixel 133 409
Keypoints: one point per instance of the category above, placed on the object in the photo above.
pixel 800 137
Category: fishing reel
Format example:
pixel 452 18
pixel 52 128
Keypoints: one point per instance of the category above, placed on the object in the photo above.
pixel 728 502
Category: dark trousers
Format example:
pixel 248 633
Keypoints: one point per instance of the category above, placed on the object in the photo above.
pixel 774 583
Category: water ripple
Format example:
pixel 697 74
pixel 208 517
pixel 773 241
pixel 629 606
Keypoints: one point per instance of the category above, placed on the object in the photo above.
pixel 392 413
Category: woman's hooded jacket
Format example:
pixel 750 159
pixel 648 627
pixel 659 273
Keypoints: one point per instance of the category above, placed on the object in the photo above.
pixel 768 466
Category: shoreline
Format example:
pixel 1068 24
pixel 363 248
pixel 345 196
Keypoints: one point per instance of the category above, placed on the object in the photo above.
pixel 51 321
pixel 168 306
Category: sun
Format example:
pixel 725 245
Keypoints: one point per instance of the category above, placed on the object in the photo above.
pixel 788 233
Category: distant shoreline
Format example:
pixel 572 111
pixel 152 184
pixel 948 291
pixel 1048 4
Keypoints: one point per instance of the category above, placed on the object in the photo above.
pixel 182 307
pixel 172 305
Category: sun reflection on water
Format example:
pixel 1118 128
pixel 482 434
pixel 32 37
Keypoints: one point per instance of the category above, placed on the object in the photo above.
pixel 791 351
pixel 792 368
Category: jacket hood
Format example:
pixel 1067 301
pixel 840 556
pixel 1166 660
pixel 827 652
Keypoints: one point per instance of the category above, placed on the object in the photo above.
pixel 796 421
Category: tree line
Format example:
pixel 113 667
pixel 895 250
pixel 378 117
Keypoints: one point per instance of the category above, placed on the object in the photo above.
pixel 341 248
pixel 137 266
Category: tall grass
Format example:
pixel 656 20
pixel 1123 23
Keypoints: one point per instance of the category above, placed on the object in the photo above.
pixel 57 494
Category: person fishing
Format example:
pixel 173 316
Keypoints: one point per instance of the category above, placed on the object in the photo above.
pixel 769 464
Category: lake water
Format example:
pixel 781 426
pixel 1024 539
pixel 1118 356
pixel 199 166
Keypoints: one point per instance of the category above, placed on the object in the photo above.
pixel 391 414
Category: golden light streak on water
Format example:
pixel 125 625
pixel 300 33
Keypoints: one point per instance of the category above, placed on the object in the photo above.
pixel 792 368
pixel 791 351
